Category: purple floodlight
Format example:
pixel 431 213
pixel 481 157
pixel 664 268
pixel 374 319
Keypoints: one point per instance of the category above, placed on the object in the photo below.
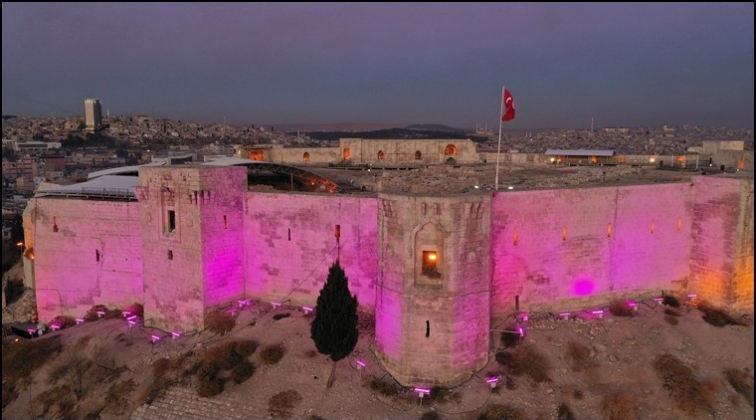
pixel 126 313
pixel 692 296
pixel 564 315
pixel 175 335
pixel 79 321
pixel 276 305
pixel 244 303
pixel 422 391
pixel 55 327
pixel 632 304
pixel 132 318
pixel 598 312
pixel 155 338
pixel 523 316
pixel 360 364
pixel 307 309
pixel 132 323
pixel 100 313
pixel 658 299
pixel 492 380
pixel 521 331
pixel 31 331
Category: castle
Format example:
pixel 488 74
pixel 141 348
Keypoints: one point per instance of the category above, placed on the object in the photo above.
pixel 437 271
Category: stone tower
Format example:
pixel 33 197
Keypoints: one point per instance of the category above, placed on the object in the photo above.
pixel 192 242
pixel 433 291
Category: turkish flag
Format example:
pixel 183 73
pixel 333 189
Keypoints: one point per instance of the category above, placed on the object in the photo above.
pixel 509 108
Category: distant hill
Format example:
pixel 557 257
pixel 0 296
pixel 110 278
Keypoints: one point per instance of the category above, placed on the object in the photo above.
pixel 394 133
pixel 434 127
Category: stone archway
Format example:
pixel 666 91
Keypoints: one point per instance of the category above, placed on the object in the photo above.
pixel 418 155
pixel 306 157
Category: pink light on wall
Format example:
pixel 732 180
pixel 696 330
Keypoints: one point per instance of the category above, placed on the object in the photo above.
pixel 583 287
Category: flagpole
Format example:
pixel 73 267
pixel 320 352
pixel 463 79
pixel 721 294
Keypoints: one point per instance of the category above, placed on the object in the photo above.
pixel 498 149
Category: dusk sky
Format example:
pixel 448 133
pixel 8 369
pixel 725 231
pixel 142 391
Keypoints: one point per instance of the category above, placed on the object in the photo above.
pixel 626 64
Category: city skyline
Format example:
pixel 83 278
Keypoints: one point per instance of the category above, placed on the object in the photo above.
pixel 394 64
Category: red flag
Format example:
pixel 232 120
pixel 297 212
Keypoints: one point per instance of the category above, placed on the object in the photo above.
pixel 509 108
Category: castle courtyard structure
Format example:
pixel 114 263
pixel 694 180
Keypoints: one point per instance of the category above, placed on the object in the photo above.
pixel 439 267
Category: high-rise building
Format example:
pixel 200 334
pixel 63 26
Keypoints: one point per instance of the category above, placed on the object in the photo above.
pixel 92 115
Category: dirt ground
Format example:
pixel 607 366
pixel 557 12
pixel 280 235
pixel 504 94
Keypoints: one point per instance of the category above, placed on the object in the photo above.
pixel 594 368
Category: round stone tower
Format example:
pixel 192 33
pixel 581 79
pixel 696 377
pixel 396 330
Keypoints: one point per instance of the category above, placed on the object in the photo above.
pixel 433 291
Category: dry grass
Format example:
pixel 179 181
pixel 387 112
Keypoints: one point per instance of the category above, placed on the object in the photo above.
pixel 621 308
pixel 219 322
pixel 242 372
pixel 21 358
pixel 430 415
pixel 58 399
pixel 564 412
pixel 525 360
pixel 689 394
pixel 161 380
pixel 385 388
pixel 579 356
pixel 742 382
pixel 245 348
pixel 502 412
pixel 619 406
pixel 717 317
pixel 282 405
pixel 272 354
pixel 210 387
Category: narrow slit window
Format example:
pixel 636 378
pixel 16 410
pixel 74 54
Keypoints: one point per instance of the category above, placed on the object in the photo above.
pixel 171 221
pixel 97 255
pixel 170 254
pixel 427 328
pixel 225 222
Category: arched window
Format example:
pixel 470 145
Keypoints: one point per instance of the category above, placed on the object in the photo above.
pixel 451 150
pixel 306 157
pixel 418 155
pixel 381 155
pixel 347 153
pixel 256 155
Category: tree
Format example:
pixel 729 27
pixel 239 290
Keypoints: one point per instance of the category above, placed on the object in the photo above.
pixel 334 329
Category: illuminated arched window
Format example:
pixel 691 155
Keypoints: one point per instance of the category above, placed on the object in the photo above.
pixel 256 155
pixel 347 153
pixel 306 157
pixel 381 155
pixel 451 150
pixel 418 155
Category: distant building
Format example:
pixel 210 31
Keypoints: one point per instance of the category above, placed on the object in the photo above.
pixel 92 115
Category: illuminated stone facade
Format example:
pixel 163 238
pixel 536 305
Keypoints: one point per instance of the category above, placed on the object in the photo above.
pixel 438 272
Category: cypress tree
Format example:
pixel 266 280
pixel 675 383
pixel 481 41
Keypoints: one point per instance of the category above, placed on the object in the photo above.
pixel 334 329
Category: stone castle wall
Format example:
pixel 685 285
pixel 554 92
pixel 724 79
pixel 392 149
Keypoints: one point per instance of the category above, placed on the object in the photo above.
pixel 568 248
pixel 85 252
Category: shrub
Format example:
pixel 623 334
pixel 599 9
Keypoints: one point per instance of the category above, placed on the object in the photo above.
pixel 717 318
pixel 63 321
pixel 207 369
pixel 671 320
pixel 526 360
pixel 270 355
pixel 670 300
pixel 92 313
pixel 210 387
pixel 10 393
pixel 511 337
pixel 219 322
pixel 689 394
pixel 579 356
pixel 60 396
pixel 502 412
pixel 223 355
pixel 619 406
pixel 621 308
pixel 577 394
pixel 245 348
pixel 564 412
pixel 384 388
pixel 21 358
pixel 282 404
pixel 242 372
pixel 742 382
